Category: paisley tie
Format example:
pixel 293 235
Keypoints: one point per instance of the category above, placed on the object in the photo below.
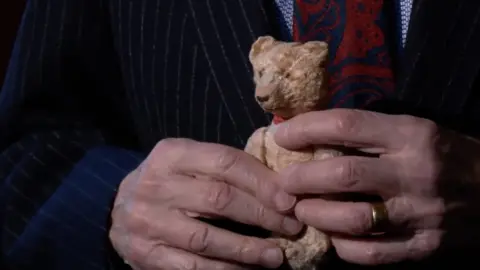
pixel 360 66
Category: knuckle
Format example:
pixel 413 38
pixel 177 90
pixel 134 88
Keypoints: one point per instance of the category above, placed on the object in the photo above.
pixel 151 255
pixel 169 144
pixel 121 222
pixel 219 196
pixel 223 266
pixel 189 264
pixel 261 216
pixel 127 183
pixel 291 177
pixel 136 251
pixel 158 256
pixel 400 210
pixel 428 129
pixel 350 173
pixel 164 190
pixel 136 220
pixel 243 251
pixel 374 255
pixel 348 122
pixel 139 210
pixel 407 119
pixel 134 223
pixel 130 190
pixel 421 128
pixel 118 212
pixel 168 150
pixel 225 159
pixel 131 220
pixel 428 173
pixel 115 238
pixel 198 239
pixel 361 222
pixel 263 190
pixel 423 245
pixel 425 170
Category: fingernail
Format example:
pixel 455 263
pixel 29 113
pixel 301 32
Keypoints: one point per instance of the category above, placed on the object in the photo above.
pixel 292 225
pixel 284 201
pixel 272 258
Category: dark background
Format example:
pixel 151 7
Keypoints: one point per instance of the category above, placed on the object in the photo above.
pixel 10 16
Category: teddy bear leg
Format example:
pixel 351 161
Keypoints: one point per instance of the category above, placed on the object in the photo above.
pixel 305 251
pixel 308 250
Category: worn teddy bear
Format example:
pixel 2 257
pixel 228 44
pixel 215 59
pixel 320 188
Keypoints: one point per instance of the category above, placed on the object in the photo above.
pixel 290 79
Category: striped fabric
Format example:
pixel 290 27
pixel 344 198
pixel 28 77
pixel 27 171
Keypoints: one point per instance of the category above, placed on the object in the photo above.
pixel 91 88
pixel 93 85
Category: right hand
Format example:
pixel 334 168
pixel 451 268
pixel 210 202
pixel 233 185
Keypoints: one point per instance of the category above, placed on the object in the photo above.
pixel 153 224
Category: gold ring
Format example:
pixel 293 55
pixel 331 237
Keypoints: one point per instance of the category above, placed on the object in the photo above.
pixel 379 218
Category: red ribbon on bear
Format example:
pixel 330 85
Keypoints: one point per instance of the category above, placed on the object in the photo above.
pixel 277 119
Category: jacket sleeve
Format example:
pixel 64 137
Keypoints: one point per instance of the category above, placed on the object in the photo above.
pixel 63 152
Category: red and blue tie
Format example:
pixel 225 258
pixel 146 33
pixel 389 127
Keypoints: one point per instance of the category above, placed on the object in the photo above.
pixel 360 65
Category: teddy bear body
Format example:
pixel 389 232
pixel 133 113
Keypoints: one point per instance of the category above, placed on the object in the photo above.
pixel 290 79
pixel 262 145
pixel 306 250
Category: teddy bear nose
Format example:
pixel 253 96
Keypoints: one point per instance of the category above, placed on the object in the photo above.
pixel 263 98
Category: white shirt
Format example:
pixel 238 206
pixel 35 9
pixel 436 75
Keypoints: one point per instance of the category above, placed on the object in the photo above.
pixel 405 9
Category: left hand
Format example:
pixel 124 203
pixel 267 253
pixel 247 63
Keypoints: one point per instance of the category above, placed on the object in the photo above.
pixel 428 178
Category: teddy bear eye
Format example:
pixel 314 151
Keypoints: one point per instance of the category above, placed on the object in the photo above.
pixel 260 73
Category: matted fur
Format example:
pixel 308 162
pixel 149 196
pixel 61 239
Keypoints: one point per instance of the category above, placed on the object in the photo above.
pixel 290 79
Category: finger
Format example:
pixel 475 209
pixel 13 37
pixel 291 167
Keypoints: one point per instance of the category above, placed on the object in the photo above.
pixel 344 174
pixel 200 238
pixel 336 217
pixel 370 252
pixel 236 168
pixel 151 256
pixel 361 129
pixel 356 218
pixel 386 251
pixel 221 199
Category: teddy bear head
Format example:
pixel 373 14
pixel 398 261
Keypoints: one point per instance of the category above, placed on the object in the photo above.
pixel 290 77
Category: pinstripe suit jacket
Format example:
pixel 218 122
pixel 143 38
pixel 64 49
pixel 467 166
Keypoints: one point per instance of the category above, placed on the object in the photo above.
pixel 93 85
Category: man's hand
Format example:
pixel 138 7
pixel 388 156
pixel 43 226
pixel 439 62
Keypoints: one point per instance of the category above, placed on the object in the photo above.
pixel 154 225
pixel 428 178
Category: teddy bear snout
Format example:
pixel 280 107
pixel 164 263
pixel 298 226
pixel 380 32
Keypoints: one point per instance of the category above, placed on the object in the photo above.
pixel 263 98
pixel 264 93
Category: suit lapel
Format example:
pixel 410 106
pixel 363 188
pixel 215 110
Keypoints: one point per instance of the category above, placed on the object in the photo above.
pixel 441 60
pixel 226 31
pixel 446 30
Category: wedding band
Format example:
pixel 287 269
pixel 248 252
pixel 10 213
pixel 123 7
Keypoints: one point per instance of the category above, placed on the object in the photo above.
pixel 379 218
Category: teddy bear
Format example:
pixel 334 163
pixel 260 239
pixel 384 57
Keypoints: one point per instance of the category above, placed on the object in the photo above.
pixel 290 79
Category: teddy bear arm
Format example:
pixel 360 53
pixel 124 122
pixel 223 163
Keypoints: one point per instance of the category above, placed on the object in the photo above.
pixel 322 152
pixel 256 144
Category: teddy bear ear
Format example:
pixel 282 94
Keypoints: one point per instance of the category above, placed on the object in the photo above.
pixel 316 50
pixel 261 44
